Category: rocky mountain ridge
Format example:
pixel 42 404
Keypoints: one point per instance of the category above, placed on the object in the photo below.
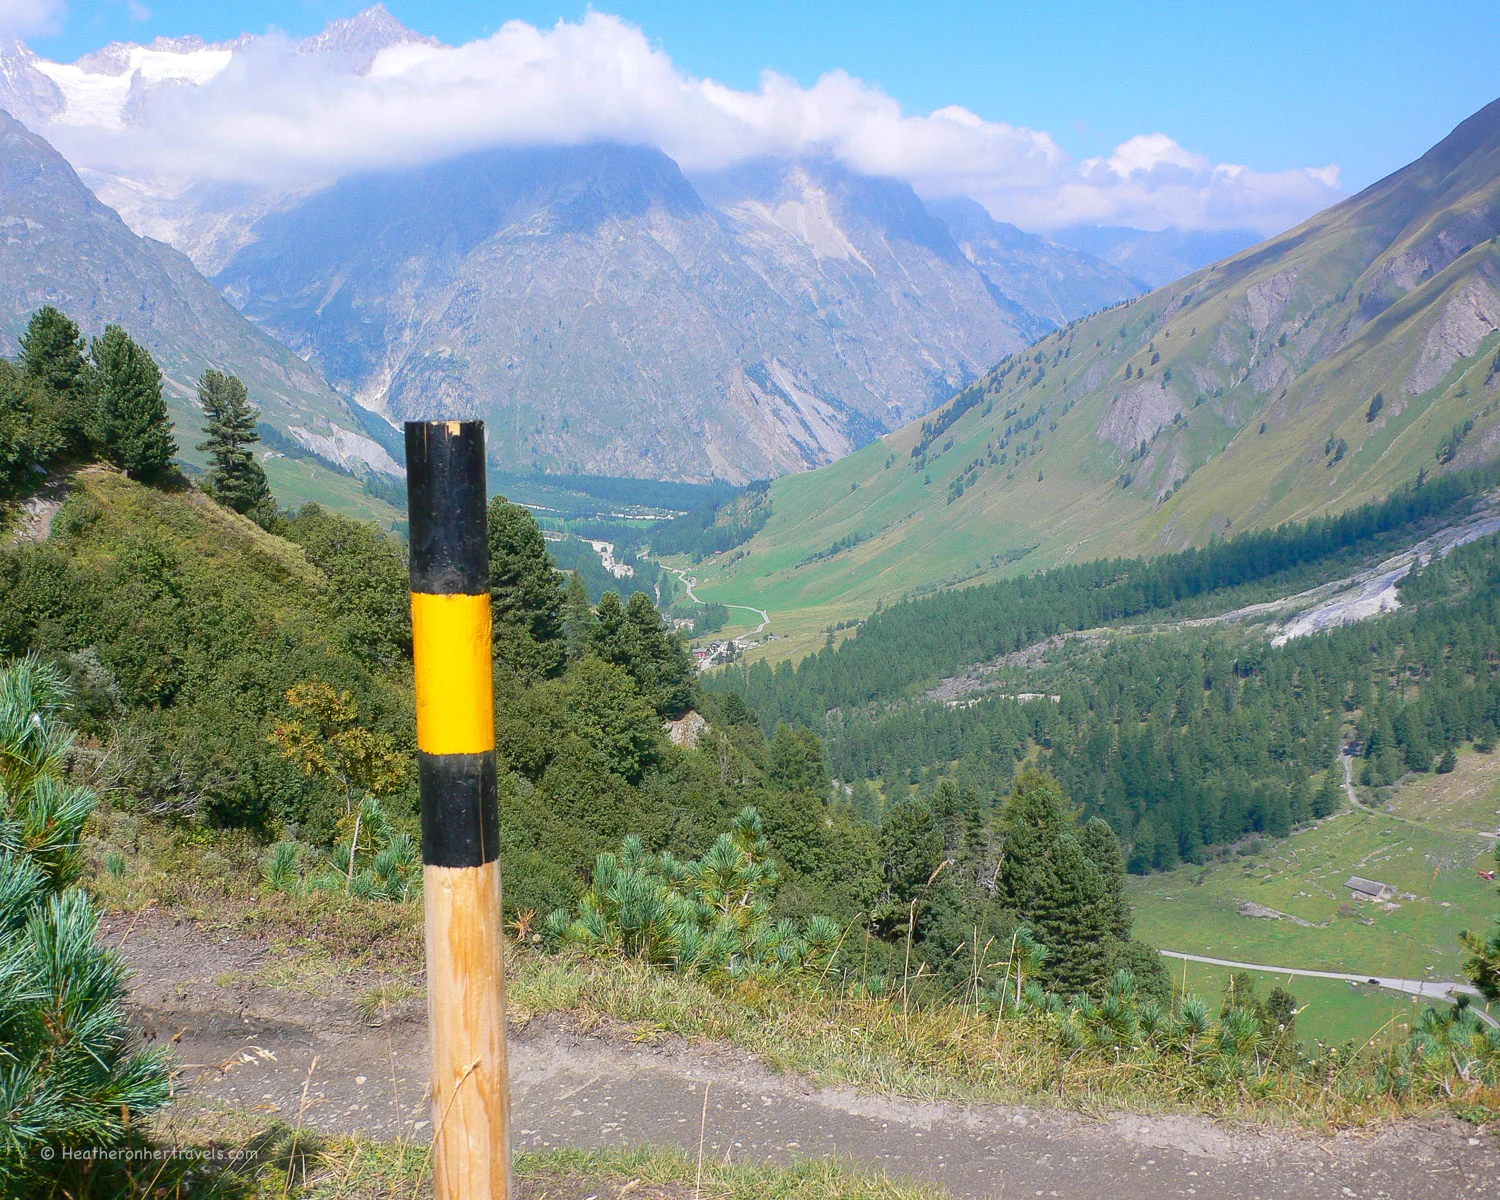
pixel 610 316
pixel 747 323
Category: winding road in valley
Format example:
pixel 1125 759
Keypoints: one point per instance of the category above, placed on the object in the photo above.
pixel 1435 989
pixel 689 582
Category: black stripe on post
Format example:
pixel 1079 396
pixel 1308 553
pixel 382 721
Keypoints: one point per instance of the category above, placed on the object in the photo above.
pixel 445 502
pixel 460 819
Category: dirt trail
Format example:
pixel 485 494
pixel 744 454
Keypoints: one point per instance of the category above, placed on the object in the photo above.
pixel 35 513
pixel 1348 762
pixel 255 1048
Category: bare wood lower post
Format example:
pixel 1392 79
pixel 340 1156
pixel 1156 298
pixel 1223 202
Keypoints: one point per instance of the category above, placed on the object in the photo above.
pixel 460 824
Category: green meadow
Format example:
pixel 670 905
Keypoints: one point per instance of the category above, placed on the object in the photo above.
pixel 297 481
pixel 1424 839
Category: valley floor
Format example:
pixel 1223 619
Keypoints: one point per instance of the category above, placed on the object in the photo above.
pixel 261 1037
pixel 1286 903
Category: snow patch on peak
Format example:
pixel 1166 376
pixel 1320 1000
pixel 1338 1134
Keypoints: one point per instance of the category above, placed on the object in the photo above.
pixel 97 88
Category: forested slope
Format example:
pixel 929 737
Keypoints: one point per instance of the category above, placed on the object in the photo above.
pixel 1182 739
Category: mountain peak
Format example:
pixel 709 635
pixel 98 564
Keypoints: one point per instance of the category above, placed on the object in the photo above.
pixel 888 206
pixel 364 35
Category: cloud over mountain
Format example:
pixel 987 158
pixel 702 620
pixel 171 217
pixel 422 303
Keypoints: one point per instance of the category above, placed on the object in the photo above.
pixel 369 94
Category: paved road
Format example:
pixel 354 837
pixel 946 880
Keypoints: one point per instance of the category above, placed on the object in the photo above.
pixel 689 582
pixel 311 1061
pixel 1436 989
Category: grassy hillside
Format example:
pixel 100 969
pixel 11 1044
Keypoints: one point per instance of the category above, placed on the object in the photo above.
pixel 296 481
pixel 1240 397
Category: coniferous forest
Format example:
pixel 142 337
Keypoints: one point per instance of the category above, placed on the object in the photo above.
pixel 1181 738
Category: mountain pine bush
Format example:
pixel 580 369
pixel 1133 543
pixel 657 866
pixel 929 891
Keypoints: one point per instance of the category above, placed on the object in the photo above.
pixel 68 1074
pixel 709 915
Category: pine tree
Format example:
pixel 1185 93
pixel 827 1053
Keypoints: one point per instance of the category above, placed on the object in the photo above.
pixel 28 435
pixel 52 350
pixel 1065 883
pixel 1071 918
pixel 797 762
pixel 1103 849
pixel 612 717
pixel 52 354
pixel 1329 797
pixel 634 636
pixel 136 430
pixel 664 670
pixel 70 1075
pixel 578 616
pixel 236 480
pixel 912 847
pixel 610 637
pixel 527 597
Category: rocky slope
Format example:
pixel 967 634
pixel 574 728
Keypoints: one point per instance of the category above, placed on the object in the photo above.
pixel 1051 281
pixel 1318 370
pixel 63 246
pixel 607 320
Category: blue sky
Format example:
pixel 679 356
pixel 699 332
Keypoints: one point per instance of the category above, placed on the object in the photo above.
pixel 1274 85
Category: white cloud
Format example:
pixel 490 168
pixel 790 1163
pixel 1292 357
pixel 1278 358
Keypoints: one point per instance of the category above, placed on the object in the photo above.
pixel 275 115
pixel 31 16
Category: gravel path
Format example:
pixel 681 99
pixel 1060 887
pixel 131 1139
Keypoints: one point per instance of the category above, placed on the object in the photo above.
pixel 312 1060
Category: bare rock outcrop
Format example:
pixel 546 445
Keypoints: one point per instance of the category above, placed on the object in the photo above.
pixel 1138 413
pixel 1469 316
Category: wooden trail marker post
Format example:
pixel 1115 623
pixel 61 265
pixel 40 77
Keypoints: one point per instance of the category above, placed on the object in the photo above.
pixel 450 610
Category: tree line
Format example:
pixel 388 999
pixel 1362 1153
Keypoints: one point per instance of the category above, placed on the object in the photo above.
pixel 1182 741
pixel 918 642
pixel 1189 740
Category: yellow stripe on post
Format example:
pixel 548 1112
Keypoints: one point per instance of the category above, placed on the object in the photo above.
pixel 455 682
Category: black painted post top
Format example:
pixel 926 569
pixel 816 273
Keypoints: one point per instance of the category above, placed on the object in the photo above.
pixel 445 502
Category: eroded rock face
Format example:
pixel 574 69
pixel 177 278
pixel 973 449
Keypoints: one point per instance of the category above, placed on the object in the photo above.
pixel 1469 316
pixel 1139 413
pixel 609 317
pixel 1265 301
pixel 348 449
